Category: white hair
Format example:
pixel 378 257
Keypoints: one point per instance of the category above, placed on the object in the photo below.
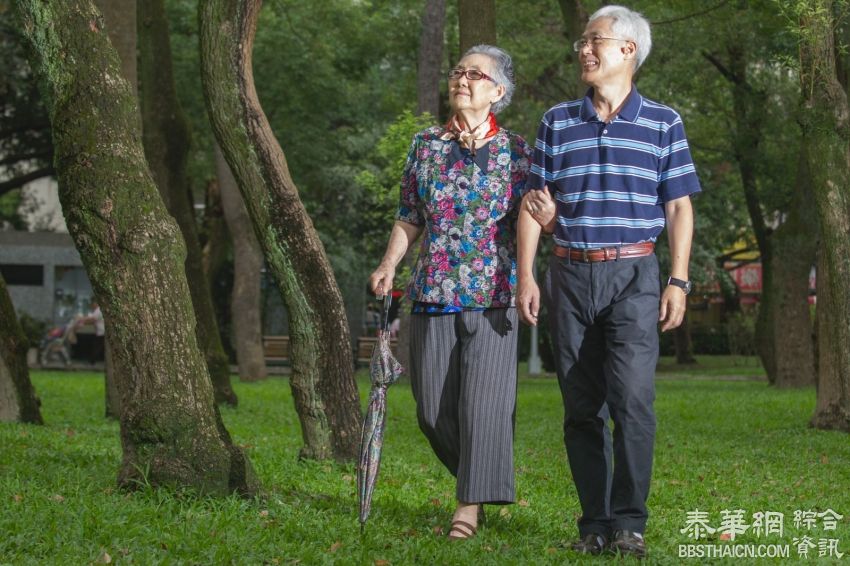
pixel 630 25
pixel 503 72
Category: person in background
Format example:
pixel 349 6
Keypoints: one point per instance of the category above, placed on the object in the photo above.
pixel 95 318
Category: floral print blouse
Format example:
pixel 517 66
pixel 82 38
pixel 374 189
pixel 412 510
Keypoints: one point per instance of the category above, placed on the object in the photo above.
pixel 467 256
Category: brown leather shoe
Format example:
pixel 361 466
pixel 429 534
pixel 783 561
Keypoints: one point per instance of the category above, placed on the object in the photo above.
pixel 628 543
pixel 591 544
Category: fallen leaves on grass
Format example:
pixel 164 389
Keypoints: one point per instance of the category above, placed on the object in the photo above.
pixel 335 546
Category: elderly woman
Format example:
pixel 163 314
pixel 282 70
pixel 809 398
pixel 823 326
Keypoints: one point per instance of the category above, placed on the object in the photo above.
pixel 461 185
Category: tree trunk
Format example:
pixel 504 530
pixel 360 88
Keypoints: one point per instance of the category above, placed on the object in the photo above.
pixel 828 412
pixel 430 58
pixel 787 286
pixel 574 16
pixel 214 240
pixel 111 395
pixel 826 133
pixel 246 299
pixel 166 139
pixel 18 401
pixel 477 21
pixel 322 382
pixel 171 431
pixel 782 330
pixel 682 342
pixel 120 19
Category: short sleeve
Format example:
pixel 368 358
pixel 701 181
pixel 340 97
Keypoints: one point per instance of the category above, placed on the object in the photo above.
pixel 541 168
pixel 408 202
pixel 677 176
pixel 521 158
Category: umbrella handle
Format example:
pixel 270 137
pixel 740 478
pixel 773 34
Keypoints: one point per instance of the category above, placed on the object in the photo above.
pixel 385 314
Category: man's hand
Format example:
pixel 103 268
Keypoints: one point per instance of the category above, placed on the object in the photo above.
pixel 528 300
pixel 673 305
pixel 541 206
pixel 381 281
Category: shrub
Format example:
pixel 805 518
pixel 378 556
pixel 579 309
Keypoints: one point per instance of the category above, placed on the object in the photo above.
pixel 33 329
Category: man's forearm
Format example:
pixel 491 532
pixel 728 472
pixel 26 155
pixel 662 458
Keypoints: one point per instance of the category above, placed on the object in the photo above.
pixel 680 230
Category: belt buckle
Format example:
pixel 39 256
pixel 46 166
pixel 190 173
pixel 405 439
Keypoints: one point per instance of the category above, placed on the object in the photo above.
pixel 584 255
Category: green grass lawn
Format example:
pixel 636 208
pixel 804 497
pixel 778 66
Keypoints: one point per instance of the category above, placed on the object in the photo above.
pixel 721 445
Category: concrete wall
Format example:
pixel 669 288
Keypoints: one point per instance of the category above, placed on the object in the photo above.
pixel 47 249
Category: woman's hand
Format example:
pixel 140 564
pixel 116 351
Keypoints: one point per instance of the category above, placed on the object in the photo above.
pixel 541 206
pixel 401 237
pixel 381 280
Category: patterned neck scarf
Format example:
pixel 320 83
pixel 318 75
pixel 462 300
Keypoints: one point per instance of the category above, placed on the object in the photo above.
pixel 466 137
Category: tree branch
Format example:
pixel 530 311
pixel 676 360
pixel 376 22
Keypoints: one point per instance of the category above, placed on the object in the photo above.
pixel 729 75
pixel 37 127
pixel 17 182
pixel 689 16
pixel 9 159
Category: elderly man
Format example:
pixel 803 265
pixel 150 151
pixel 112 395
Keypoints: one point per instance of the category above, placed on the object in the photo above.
pixel 617 164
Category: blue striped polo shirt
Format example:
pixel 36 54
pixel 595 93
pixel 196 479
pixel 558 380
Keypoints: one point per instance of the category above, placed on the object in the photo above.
pixel 611 180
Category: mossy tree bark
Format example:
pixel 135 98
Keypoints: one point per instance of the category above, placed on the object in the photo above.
pixel 167 141
pixel 171 431
pixel 246 298
pixel 826 135
pixel 323 387
pixel 477 22
pixel 120 19
pixel 18 401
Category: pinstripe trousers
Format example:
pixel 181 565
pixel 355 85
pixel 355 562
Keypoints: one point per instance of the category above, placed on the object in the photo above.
pixel 463 368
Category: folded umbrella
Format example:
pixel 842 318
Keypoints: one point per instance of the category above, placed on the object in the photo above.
pixel 384 370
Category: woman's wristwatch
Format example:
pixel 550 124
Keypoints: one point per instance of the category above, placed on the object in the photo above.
pixel 685 286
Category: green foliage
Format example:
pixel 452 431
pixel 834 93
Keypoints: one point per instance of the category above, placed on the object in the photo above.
pixel 741 330
pixel 33 329
pixel 9 205
pixel 25 138
pixel 720 445
pixel 380 182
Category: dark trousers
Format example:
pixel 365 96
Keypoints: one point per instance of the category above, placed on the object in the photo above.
pixel 463 368
pixel 603 319
pixel 97 349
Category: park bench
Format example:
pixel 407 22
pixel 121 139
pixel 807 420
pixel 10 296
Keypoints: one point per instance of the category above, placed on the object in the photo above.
pixel 276 349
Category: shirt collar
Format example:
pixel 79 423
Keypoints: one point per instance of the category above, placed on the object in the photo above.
pixel 629 111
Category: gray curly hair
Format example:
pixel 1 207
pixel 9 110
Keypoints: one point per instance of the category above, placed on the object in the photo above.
pixel 503 72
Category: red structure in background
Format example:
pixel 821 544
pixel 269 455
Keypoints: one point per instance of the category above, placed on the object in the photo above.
pixel 707 306
pixel 748 278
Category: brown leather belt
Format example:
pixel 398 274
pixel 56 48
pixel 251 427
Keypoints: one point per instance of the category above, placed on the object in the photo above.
pixel 614 253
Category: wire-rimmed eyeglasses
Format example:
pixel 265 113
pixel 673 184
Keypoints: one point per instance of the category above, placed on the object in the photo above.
pixel 595 41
